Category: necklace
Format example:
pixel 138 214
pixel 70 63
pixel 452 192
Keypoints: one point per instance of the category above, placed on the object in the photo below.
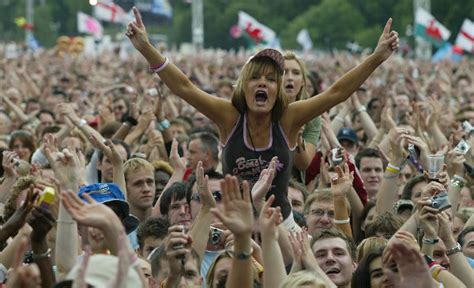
pixel 253 146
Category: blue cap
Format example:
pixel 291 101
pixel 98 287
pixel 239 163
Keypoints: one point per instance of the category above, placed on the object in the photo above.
pixel 347 134
pixel 102 192
pixel 108 193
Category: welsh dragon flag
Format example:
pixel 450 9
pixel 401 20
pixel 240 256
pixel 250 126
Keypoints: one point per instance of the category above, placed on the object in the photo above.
pixel 465 38
pixel 428 28
pixel 259 34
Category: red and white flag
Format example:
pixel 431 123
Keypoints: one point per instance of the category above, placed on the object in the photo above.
pixel 88 24
pixel 465 38
pixel 107 10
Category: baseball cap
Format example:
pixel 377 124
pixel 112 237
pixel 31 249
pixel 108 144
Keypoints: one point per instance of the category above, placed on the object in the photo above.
pixel 347 134
pixel 111 195
pixel 273 54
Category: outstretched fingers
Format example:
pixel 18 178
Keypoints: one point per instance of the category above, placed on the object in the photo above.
pixel 388 26
pixel 138 17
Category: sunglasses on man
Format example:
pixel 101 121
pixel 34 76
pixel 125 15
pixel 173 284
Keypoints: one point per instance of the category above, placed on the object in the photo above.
pixel 216 194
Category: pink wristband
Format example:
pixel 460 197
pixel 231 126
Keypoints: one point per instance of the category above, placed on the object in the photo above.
pixel 158 68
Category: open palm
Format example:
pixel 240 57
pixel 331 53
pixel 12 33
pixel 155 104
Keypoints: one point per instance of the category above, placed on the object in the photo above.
pixel 92 214
pixel 237 213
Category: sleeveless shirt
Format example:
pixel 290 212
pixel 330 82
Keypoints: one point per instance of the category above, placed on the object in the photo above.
pixel 239 158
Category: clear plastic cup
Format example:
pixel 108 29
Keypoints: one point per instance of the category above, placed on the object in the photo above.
pixel 435 165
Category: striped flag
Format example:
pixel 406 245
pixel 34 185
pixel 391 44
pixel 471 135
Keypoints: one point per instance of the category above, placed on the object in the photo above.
pixel 107 10
pixel 465 38
pixel 88 24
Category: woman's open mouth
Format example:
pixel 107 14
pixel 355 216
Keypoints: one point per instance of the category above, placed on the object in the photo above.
pixel 261 97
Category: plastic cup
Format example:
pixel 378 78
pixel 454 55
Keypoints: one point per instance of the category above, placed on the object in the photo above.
pixel 435 165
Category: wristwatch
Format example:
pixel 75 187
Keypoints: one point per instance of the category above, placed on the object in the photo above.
pixel 360 110
pixel 430 241
pixel 455 182
pixel 454 250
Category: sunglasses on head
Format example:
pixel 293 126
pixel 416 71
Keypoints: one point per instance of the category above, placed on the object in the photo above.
pixel 216 194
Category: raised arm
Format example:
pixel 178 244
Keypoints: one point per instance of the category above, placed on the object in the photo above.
pixel 303 111
pixel 340 188
pixel 114 157
pixel 218 110
pixel 67 171
pixel 459 265
pixel 270 218
pixel 387 194
pixel 237 215
pixel 200 230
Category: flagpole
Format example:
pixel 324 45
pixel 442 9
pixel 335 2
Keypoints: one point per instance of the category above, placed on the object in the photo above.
pixel 423 49
pixel 29 18
pixel 197 24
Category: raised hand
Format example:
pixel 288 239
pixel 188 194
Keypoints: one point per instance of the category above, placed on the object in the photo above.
pixel 431 189
pixel 92 214
pixel 429 221
pixel 18 219
pixel 66 109
pixel 9 163
pixel 207 200
pixel 41 220
pixel 304 258
pixel 396 136
pixel 386 117
pixel 66 166
pixel 424 149
pixel 177 246
pixel 269 220
pixel 445 231
pixel 388 42
pixel 342 183
pixel 237 214
pixel 407 237
pixel 177 162
pixel 263 185
pixel 455 161
pixel 412 268
pixel 108 149
pixel 136 32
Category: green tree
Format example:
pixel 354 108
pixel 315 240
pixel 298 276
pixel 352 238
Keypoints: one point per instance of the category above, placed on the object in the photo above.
pixel 332 22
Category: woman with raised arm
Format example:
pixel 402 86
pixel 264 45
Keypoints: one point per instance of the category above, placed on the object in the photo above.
pixel 258 124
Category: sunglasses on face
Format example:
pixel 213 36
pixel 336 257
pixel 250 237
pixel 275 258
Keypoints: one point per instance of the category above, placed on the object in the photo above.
pixel 216 194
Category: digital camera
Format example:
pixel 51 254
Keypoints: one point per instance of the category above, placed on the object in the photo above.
pixel 216 236
pixel 440 201
pixel 336 157
pixel 467 127
pixel 462 147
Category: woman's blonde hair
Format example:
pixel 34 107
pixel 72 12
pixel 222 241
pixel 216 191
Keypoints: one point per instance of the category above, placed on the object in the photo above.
pixel 368 245
pixel 303 93
pixel 257 67
pixel 228 253
pixel 305 278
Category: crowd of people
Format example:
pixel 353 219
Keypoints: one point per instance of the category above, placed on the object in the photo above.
pixel 224 169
